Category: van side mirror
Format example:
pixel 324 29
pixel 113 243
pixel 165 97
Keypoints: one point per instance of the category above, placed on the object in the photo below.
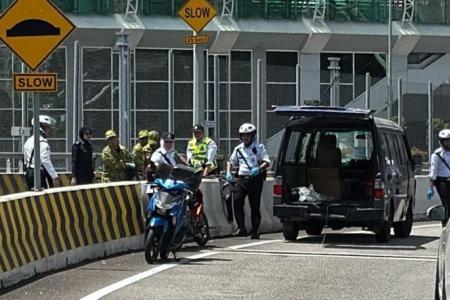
pixel 437 213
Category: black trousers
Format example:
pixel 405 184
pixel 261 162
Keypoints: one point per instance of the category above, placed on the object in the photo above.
pixel 46 180
pixel 443 188
pixel 251 187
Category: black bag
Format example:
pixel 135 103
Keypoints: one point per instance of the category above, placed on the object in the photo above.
pixel 46 180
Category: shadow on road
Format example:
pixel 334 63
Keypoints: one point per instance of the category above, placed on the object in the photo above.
pixel 367 241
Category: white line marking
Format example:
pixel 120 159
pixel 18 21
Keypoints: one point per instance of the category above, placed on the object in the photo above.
pixel 135 278
pixel 331 256
pixel 428 225
pixel 253 244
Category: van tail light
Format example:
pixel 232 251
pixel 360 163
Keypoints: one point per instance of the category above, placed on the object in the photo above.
pixel 378 189
pixel 278 186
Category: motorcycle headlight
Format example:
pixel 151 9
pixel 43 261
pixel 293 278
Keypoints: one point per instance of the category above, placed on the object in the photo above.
pixel 161 211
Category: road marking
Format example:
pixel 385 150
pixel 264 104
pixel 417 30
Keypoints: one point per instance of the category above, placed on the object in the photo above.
pixel 334 255
pixel 135 278
pixel 330 255
pixel 428 225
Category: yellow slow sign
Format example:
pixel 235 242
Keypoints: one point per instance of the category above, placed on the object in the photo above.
pixel 47 82
pixel 197 13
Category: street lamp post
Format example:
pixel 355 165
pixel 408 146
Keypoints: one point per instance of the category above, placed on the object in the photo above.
pixel 389 64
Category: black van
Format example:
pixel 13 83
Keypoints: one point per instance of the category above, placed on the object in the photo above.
pixel 341 167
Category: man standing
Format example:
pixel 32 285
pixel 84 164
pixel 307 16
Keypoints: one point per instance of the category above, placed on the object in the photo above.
pixel 141 153
pixel 49 177
pixel 440 172
pixel 82 168
pixel 201 151
pixel 252 161
pixel 116 159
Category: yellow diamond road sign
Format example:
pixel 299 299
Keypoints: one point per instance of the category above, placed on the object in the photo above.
pixel 33 29
pixel 197 13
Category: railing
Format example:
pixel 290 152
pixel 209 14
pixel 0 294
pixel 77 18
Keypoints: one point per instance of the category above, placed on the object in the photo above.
pixel 425 12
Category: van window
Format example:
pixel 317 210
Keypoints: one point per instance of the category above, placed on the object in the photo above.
pixel 393 149
pixel 402 155
pixel 290 156
pixel 354 145
pixel 298 144
pixel 385 149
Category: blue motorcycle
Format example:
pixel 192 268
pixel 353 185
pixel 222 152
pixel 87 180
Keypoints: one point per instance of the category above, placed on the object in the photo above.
pixel 166 215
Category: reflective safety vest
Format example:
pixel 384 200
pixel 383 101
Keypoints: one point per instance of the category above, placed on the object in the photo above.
pixel 200 153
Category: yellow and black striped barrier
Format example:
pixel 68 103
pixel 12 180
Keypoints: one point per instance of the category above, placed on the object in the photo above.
pixel 51 222
pixel 15 183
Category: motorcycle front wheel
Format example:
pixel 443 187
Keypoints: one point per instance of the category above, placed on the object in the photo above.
pixel 151 245
pixel 202 230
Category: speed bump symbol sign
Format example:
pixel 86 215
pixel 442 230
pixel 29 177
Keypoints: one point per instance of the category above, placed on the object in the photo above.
pixel 33 29
pixel 197 13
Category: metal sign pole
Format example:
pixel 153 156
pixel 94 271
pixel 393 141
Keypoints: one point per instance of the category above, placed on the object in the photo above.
pixel 389 64
pixel 400 101
pixel 430 118
pixel 37 148
pixel 368 86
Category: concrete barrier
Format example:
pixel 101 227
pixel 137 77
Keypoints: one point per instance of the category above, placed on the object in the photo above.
pixel 422 203
pixel 53 229
pixel 12 183
pixel 216 212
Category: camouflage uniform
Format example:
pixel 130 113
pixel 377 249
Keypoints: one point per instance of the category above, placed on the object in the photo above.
pixel 141 154
pixel 115 164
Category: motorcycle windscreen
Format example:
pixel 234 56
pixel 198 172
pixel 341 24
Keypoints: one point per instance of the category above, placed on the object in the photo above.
pixel 166 200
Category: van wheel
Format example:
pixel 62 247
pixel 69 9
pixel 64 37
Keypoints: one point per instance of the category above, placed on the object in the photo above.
pixel 403 229
pixel 290 231
pixel 313 228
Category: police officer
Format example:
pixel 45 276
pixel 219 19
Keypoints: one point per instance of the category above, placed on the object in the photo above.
pixel 116 159
pixel 166 152
pixel 440 171
pixel 252 160
pixel 48 172
pixel 82 167
pixel 141 153
pixel 201 151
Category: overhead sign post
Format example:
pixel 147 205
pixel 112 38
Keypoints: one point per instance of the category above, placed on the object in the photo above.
pixel 197 14
pixel 33 29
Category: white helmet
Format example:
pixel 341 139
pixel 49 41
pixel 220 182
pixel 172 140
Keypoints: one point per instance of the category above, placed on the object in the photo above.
pixel 247 128
pixel 444 134
pixel 44 119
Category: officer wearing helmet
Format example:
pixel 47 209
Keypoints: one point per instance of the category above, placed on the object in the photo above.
pixel 201 151
pixel 116 159
pixel 251 160
pixel 440 171
pixel 49 177
pixel 141 153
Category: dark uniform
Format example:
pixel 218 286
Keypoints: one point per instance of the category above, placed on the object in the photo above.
pixel 82 167
pixel 248 184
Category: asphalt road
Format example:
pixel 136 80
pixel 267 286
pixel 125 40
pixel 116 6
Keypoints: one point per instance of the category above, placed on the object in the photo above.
pixel 346 264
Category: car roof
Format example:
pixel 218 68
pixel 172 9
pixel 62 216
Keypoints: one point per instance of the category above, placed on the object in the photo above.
pixel 322 111
pixel 385 123
pixel 297 112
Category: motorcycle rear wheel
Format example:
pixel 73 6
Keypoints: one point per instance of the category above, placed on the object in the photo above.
pixel 202 230
pixel 151 245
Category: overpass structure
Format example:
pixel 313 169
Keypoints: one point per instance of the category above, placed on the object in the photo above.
pixel 262 53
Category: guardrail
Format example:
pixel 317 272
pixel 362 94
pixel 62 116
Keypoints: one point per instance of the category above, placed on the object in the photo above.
pixel 53 229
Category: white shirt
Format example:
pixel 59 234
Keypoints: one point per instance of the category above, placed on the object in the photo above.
pixel 437 166
pixel 255 154
pixel 158 156
pixel 44 153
